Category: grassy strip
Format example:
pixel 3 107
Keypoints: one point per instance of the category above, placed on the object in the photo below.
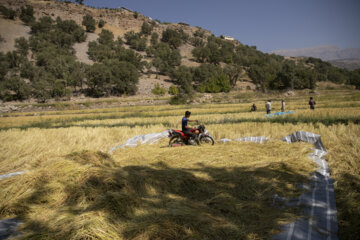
pixel 327 121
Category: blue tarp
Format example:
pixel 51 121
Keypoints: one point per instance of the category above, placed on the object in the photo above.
pixel 278 114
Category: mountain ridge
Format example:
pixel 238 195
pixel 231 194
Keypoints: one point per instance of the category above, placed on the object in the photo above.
pixel 324 52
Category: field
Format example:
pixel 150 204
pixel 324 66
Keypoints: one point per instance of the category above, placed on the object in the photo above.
pixel 74 189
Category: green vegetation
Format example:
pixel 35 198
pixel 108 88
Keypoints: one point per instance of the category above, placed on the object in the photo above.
pixel 7 13
pixel 27 14
pixel 89 23
pixel 101 23
pixel 173 90
pixel 158 90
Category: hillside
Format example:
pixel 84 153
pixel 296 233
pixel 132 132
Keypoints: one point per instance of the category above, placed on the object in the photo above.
pixel 349 63
pixel 63 50
pixel 325 52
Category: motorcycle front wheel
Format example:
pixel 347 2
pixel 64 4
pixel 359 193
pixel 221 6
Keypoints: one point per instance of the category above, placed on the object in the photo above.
pixel 207 140
pixel 175 141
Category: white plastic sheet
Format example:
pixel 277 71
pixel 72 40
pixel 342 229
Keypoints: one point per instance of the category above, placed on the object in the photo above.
pixel 318 203
pixel 142 139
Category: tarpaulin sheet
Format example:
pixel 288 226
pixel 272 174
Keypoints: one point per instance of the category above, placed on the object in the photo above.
pixel 260 139
pixel 10 175
pixel 142 139
pixel 8 228
pixel 279 114
pixel 318 203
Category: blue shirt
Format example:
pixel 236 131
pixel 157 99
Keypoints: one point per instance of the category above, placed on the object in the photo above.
pixel 184 123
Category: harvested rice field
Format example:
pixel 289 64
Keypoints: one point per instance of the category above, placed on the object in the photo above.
pixel 71 187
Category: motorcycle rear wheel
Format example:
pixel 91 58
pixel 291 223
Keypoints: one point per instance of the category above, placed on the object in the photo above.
pixel 207 140
pixel 175 140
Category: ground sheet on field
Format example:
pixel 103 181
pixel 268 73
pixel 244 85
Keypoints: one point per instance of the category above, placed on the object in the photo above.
pixel 278 114
pixel 318 203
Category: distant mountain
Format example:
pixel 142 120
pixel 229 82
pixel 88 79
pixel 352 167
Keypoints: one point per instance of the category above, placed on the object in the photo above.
pixel 325 52
pixel 349 64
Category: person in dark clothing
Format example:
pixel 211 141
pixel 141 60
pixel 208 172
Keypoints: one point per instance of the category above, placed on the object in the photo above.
pixel 186 129
pixel 312 103
pixel 253 108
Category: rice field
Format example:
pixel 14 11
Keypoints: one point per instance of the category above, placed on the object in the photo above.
pixel 73 188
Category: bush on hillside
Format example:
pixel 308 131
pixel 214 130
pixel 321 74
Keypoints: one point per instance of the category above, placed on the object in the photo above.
pixel 27 14
pixel 165 58
pixel 158 90
pixel 219 83
pixel 101 23
pixel 173 90
pixel 22 46
pixel 146 29
pixel 8 12
pixel 154 38
pixel 89 23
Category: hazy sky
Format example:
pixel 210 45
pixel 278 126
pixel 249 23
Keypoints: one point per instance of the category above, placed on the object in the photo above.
pixel 267 24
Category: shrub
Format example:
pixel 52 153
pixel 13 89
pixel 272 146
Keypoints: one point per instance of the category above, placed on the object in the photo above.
pixel 173 90
pixel 106 37
pixel 89 23
pixel 22 46
pixel 219 83
pixel 101 23
pixel 27 14
pixel 158 90
pixel 8 13
pixel 165 58
pixel 172 37
pixel 98 80
pixel 154 38
pixel 14 88
pixel 146 29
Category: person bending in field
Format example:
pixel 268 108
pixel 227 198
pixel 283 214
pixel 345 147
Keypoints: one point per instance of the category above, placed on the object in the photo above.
pixel 253 108
pixel 312 103
pixel 186 129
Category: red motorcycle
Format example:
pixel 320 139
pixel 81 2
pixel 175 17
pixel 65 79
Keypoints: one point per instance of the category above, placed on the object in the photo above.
pixel 178 138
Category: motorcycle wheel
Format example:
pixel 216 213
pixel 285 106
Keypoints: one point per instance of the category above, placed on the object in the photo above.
pixel 207 140
pixel 175 140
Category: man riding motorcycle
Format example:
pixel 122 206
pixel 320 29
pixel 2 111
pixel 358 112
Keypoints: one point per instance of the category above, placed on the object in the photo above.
pixel 187 130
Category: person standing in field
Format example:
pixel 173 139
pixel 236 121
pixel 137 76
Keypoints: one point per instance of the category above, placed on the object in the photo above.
pixel 312 103
pixel 282 105
pixel 268 106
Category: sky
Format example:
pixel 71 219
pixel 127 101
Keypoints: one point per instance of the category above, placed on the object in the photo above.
pixel 267 24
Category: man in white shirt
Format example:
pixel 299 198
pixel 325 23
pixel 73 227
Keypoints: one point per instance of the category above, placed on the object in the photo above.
pixel 268 106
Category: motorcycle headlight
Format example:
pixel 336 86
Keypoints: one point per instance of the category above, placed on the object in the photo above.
pixel 197 131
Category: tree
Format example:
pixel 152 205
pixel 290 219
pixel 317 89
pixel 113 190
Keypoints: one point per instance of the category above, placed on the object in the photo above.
pixel 106 37
pixel 218 83
pixel 101 23
pixel 154 38
pixel 80 2
pixel 146 29
pixel 14 88
pixel 98 80
pixel 22 46
pixel 124 77
pixel 89 23
pixel 27 14
pixel 183 76
pixel 172 37
pixel 8 13
pixel 166 59
pixel 233 72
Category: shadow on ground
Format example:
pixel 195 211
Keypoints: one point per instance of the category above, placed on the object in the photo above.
pixel 161 202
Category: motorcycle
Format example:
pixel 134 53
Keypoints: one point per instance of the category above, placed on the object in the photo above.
pixel 178 138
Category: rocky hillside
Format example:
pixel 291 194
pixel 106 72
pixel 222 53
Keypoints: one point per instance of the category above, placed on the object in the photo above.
pixel 118 21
